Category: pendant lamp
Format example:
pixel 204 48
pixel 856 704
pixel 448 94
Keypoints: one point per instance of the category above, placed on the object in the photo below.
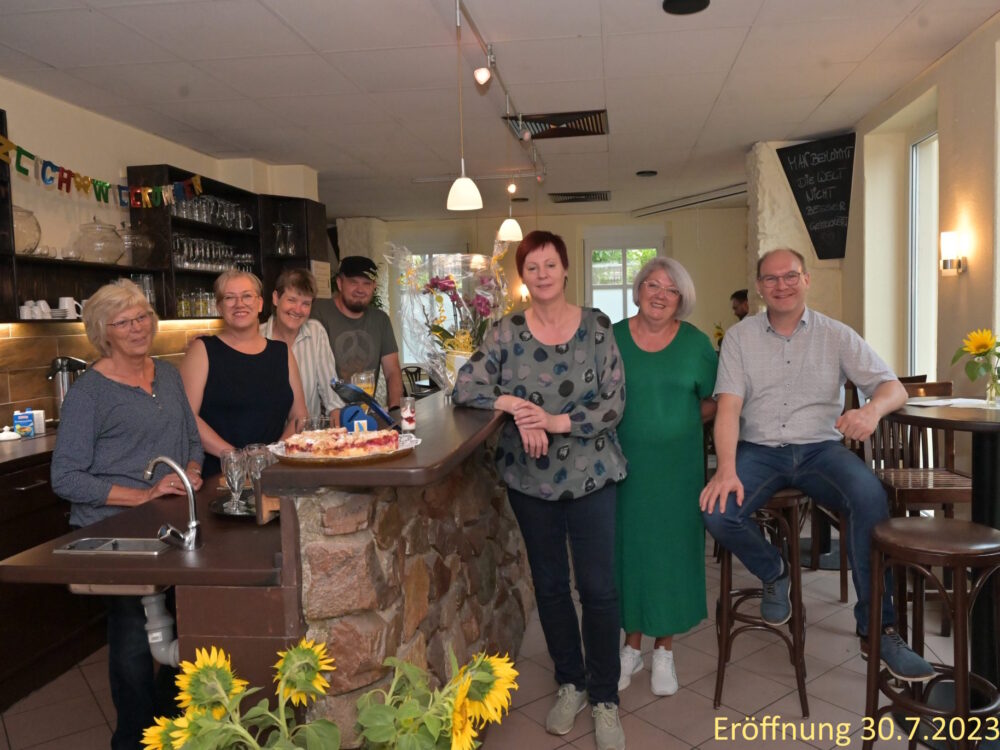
pixel 510 230
pixel 464 195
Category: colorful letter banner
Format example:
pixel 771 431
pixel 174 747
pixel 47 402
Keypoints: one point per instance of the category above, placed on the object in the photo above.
pixel 135 196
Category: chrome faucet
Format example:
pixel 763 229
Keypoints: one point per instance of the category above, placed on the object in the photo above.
pixel 168 533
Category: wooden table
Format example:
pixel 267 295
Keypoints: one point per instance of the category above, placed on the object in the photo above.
pixel 984 424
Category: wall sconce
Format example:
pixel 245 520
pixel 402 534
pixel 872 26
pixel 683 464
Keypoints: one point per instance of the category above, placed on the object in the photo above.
pixel 522 289
pixel 952 261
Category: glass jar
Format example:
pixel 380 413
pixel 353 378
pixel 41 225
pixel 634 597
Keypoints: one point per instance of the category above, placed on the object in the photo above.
pixel 27 232
pixel 138 246
pixel 99 243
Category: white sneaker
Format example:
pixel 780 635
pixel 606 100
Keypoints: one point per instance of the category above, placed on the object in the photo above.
pixel 631 663
pixel 664 679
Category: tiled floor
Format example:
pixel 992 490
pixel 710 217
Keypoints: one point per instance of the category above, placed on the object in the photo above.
pixel 74 711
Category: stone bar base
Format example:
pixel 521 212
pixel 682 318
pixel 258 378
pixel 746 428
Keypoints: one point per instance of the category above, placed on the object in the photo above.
pixel 411 572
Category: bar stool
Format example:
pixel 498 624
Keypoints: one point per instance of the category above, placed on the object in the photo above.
pixel 784 510
pixel 917 544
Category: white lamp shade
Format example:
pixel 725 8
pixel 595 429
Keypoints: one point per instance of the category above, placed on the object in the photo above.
pixel 510 231
pixel 464 195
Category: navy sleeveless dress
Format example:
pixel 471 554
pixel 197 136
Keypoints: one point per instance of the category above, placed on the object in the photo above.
pixel 247 396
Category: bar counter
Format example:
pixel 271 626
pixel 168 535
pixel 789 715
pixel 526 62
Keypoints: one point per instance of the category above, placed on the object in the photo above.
pixel 411 556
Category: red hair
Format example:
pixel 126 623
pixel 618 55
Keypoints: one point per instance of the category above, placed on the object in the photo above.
pixel 536 240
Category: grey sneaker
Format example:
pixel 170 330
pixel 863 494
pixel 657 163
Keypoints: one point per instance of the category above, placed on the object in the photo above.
pixel 569 702
pixel 608 727
pixel 902 661
pixel 776 602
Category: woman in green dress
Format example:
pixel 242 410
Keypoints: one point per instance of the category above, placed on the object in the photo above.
pixel 660 541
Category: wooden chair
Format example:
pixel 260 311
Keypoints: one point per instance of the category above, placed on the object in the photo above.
pixel 917 468
pixel 413 375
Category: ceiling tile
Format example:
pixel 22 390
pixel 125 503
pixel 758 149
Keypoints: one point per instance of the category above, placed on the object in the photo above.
pixel 673 53
pixel 11 60
pixel 379 24
pixel 158 83
pixel 69 88
pixel 399 69
pixel 541 60
pixel 793 11
pixel 212 30
pixel 749 83
pixel 815 42
pixel 279 75
pixel 564 96
pixel 147 119
pixel 928 34
pixel 326 112
pixel 224 116
pixel 530 19
pixel 67 38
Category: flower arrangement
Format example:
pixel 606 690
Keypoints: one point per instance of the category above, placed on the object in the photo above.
pixel 718 334
pixel 471 314
pixel 211 695
pixel 984 358
pixel 411 715
pixel 407 715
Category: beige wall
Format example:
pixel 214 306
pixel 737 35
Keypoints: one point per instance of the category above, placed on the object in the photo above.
pixel 102 148
pixel 709 242
pixel 965 81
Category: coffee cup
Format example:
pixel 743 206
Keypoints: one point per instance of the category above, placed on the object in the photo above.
pixel 24 312
pixel 71 306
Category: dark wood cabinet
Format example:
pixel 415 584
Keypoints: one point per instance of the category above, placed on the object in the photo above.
pixel 306 222
pixel 44 629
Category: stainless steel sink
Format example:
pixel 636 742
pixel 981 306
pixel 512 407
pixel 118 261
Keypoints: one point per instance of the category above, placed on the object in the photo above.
pixel 114 546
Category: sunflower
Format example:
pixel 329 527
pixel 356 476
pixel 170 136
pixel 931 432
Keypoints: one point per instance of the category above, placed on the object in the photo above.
pixel 157 737
pixel 463 731
pixel 182 731
pixel 489 695
pixel 979 342
pixel 208 684
pixel 299 672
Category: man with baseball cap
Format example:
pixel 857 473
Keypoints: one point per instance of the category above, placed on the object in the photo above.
pixel 361 335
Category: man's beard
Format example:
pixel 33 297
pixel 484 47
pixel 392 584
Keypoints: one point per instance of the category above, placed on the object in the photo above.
pixel 353 306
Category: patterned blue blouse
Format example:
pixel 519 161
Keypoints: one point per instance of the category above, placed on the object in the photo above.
pixel 582 377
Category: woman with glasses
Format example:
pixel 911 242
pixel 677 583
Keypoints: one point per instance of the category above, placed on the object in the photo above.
pixel 243 387
pixel 660 539
pixel 125 410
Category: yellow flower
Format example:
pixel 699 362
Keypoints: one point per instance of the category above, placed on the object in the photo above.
pixel 463 733
pixel 208 684
pixel 157 737
pixel 182 731
pixel 299 672
pixel 979 342
pixel 489 696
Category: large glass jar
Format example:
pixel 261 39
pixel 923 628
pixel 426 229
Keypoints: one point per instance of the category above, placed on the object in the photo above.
pixel 27 232
pixel 138 247
pixel 98 243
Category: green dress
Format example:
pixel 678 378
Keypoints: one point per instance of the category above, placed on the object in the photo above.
pixel 659 535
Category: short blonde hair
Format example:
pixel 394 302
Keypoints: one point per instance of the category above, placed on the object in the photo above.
pixel 226 276
pixel 106 303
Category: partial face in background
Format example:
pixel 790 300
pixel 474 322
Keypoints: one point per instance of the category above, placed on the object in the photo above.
pixel 356 292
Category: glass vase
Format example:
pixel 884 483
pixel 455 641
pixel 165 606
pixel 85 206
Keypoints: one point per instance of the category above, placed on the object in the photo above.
pixel 992 390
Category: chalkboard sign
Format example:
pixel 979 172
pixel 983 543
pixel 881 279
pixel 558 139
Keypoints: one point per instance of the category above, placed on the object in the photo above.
pixel 820 173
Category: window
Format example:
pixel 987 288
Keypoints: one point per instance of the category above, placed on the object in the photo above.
pixel 923 253
pixel 612 264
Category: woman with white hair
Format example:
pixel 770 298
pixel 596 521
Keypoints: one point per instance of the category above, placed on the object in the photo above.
pixel 126 409
pixel 660 539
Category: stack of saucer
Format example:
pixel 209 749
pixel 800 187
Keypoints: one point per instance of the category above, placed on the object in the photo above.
pixel 59 314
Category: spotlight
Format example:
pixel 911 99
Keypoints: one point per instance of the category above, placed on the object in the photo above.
pixel 512 188
pixel 482 76
pixel 525 135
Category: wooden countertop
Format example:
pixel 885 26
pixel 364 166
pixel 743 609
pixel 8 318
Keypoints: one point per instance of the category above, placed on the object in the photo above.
pixel 234 551
pixel 448 434
pixel 19 454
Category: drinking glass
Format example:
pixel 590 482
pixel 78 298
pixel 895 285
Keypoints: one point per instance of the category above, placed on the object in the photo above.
pixel 312 423
pixel 289 239
pixel 234 466
pixel 280 239
pixel 364 380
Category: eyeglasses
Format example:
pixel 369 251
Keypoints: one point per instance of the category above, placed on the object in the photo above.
pixel 791 279
pixel 138 320
pixel 656 290
pixel 246 298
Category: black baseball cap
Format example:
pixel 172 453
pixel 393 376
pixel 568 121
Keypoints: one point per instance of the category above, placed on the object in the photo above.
pixel 358 265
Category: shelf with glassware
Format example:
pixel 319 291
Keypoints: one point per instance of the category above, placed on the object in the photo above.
pixel 292 233
pixel 198 238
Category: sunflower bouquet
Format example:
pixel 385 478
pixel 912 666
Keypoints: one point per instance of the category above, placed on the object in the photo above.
pixel 984 357
pixel 210 695
pixel 411 716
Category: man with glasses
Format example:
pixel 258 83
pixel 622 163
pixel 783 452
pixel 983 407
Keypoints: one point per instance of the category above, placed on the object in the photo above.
pixel 779 424
pixel 361 335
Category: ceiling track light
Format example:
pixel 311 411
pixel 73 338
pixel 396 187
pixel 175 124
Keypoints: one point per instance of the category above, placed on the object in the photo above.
pixel 485 73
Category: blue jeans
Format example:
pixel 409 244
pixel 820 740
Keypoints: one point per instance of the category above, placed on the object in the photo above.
pixel 589 524
pixel 140 692
pixel 833 477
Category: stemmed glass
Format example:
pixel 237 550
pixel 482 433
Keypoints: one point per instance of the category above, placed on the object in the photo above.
pixel 258 459
pixel 364 380
pixel 234 466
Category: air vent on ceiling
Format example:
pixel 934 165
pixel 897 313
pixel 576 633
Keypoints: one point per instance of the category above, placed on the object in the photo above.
pixel 561 124
pixel 591 196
